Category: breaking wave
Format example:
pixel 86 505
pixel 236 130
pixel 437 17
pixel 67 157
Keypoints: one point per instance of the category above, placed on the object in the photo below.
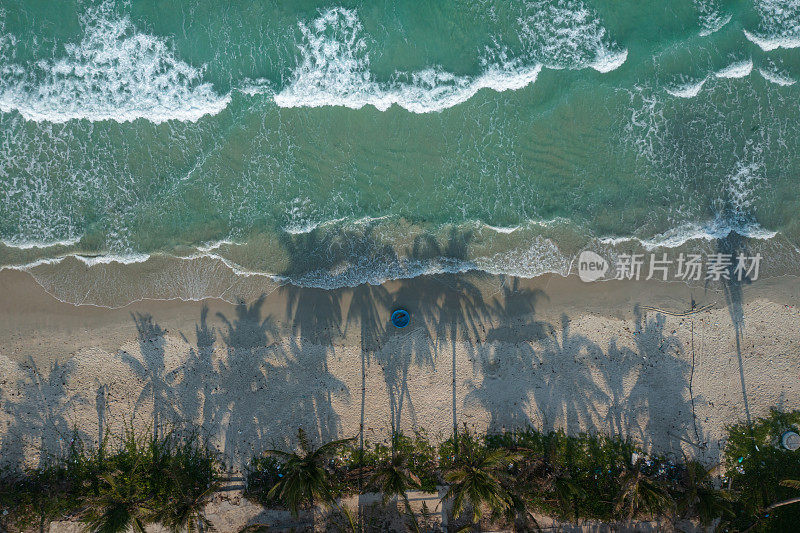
pixel 779 26
pixel 333 67
pixel 114 73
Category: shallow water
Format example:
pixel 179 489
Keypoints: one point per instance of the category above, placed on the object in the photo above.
pixel 335 144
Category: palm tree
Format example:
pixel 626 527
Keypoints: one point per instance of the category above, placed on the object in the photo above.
pixel 478 479
pixel 641 492
pixel 791 483
pixel 394 479
pixel 185 511
pixel 549 479
pixel 190 479
pixel 698 497
pixel 305 480
pixel 120 503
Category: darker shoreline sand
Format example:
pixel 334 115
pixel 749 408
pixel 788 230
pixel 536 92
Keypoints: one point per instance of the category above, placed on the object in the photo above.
pixel 35 324
pixel 551 352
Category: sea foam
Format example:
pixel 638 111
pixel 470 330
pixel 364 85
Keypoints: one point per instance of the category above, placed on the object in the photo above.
pixel 114 73
pixel 776 77
pixel 712 19
pixel 779 26
pixel 687 90
pixel 739 69
pixel 333 69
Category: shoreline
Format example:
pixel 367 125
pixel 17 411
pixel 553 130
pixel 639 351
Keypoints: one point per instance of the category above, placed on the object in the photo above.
pixel 552 352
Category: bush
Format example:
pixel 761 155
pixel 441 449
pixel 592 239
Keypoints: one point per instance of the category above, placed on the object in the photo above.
pixel 755 464
pixel 169 480
pixel 145 480
pixel 262 474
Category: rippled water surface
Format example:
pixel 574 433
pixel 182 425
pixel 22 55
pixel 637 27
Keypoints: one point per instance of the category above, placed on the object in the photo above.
pixel 186 149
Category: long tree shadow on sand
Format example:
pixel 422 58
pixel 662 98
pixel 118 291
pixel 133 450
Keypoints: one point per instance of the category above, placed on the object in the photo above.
pixel 199 377
pixel 316 318
pixel 39 415
pixel 241 407
pixel 151 369
pixel 451 306
pixel 509 351
pixel 567 395
pixel 732 284
pixel 367 304
pixel 529 367
pixel 661 388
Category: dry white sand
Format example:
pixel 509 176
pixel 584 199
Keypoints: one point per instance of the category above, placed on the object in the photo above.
pixel 550 352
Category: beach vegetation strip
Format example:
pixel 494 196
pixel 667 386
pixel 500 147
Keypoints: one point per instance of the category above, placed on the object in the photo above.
pixel 505 480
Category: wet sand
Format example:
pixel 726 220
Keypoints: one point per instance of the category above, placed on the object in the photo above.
pixel 552 352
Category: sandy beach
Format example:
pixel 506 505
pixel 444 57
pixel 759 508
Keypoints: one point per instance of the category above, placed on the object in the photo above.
pixel 551 352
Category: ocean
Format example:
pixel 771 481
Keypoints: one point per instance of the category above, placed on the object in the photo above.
pixel 177 149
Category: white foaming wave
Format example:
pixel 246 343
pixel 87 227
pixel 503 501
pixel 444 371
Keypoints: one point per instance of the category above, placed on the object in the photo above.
pixel 772 43
pixel 688 90
pixel 308 227
pixel 779 26
pixel 215 245
pixel 430 90
pixel 611 61
pixel 542 256
pixel 333 70
pixel 714 25
pixel 713 230
pixel 88 260
pixel 776 77
pixel 115 73
pixel 255 87
pixel 527 224
pixel 29 244
pixel 569 35
pixel 739 69
pixel 736 70
pixel 503 229
pixel 105 259
pixel 711 19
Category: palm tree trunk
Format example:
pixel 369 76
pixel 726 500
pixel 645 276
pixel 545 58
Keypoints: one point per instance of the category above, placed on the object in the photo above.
pixel 361 435
pixel 455 416
pixel 784 502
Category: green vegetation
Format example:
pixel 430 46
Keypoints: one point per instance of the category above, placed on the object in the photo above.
pixel 757 469
pixel 503 479
pixel 168 480
pixel 479 478
pixel 304 480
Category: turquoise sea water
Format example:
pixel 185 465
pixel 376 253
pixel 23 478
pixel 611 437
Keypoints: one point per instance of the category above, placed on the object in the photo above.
pixel 182 147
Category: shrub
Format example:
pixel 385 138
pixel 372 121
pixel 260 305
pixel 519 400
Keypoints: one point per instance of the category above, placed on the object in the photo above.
pixel 144 480
pixel 756 464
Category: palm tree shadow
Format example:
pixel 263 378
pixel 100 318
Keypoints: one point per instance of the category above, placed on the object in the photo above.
pixel 316 318
pixel 240 410
pixel 151 369
pixel 198 376
pixel 661 389
pixel 366 303
pixel 407 347
pixel 732 283
pixel 567 395
pixel 508 353
pixel 40 416
pixel 452 306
